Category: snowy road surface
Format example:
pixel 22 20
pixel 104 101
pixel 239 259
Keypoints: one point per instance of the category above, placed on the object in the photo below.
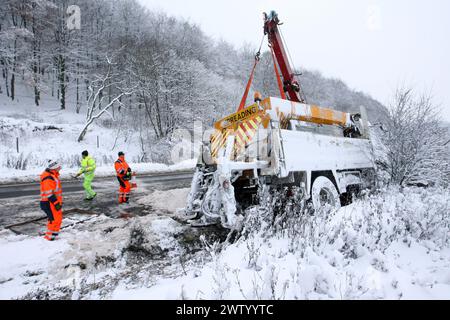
pixel 19 203
pixel 32 189
pixel 116 246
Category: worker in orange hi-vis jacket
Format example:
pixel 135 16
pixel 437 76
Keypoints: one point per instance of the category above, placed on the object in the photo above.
pixel 51 199
pixel 124 174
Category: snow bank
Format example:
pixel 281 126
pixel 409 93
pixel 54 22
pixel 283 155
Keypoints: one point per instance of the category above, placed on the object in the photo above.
pixel 279 274
pixel 96 252
pixel 23 260
pixel 170 200
pixel 394 245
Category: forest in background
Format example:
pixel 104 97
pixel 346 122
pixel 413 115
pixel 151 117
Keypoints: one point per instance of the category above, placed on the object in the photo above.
pixel 173 71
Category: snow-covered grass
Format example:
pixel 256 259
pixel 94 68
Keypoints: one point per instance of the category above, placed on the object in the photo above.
pixel 46 132
pixel 25 257
pixel 392 245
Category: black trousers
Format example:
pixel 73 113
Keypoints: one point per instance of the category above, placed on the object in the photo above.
pixel 45 206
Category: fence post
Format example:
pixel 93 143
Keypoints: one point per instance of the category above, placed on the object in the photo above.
pixel 17 144
pixel 98 143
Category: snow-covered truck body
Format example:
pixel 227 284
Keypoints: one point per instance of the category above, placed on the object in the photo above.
pixel 278 142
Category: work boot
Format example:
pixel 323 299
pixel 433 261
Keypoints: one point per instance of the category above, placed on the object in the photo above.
pixel 91 198
pixel 51 237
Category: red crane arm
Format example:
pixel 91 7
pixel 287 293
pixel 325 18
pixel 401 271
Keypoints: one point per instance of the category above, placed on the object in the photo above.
pixel 290 84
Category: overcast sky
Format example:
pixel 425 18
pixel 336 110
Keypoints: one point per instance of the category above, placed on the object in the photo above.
pixel 372 45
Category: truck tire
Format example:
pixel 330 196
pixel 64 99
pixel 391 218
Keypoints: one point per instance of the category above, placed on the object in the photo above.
pixel 324 194
pixel 353 191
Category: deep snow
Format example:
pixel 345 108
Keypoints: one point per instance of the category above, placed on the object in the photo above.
pixel 391 245
pixel 95 254
pixel 394 245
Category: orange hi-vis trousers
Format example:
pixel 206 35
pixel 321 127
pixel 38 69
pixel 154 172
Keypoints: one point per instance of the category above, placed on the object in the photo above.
pixel 51 202
pixel 124 190
pixel 54 220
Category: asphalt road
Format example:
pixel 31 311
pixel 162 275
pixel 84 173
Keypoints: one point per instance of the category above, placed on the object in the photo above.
pixel 8 191
pixel 20 202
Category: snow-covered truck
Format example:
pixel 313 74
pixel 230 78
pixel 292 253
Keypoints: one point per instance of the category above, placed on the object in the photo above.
pixel 324 153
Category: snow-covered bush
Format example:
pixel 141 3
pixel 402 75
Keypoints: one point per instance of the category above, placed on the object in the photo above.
pixel 17 161
pixel 414 142
pixel 372 222
pixel 392 244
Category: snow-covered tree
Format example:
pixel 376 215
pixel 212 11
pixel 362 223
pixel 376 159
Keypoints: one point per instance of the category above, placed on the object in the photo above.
pixel 96 106
pixel 181 74
pixel 414 141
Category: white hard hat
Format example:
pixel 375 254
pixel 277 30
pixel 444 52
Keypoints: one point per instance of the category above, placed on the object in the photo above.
pixel 52 165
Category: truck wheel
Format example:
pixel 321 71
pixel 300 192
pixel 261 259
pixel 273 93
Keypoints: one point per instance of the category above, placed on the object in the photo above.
pixel 324 194
pixel 352 192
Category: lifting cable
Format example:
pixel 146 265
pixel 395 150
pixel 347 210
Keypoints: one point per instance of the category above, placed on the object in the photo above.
pixel 277 74
pixel 291 61
pixel 249 83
